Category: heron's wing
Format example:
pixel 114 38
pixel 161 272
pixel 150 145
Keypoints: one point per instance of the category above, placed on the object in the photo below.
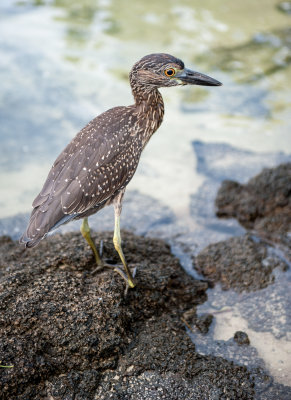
pixel 96 145
pixel 98 162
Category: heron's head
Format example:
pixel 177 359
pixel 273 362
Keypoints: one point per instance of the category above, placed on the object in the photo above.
pixel 164 70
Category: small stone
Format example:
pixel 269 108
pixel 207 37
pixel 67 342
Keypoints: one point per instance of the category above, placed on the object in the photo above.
pixel 203 323
pixel 241 338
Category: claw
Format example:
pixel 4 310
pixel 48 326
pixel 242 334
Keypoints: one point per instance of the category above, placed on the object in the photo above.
pixel 129 282
pixel 120 271
pixel 98 269
pixel 101 247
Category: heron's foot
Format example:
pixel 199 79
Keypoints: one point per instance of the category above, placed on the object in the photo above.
pixel 99 268
pixel 129 281
pixel 120 270
pixel 102 266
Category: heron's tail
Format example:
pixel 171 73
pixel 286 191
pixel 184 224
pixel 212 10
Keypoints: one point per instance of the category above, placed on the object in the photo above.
pixel 42 221
pixel 36 229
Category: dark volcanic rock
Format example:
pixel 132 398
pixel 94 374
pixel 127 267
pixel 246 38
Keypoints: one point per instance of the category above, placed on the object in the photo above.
pixel 263 204
pixel 203 322
pixel 197 323
pixel 72 334
pixel 241 338
pixel 237 263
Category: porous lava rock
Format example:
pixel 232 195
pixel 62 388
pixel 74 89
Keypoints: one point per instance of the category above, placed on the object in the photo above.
pixel 237 263
pixel 70 333
pixel 263 204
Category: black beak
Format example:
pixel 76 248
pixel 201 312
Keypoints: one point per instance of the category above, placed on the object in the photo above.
pixel 196 78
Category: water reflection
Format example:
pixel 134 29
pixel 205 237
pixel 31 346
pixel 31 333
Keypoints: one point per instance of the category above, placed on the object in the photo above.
pixel 262 56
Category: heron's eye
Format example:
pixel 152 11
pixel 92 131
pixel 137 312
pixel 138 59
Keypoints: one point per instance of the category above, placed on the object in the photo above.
pixel 170 72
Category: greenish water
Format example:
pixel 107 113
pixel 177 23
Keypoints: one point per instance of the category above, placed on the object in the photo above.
pixel 62 62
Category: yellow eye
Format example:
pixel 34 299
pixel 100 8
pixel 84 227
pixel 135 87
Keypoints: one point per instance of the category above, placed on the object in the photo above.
pixel 170 72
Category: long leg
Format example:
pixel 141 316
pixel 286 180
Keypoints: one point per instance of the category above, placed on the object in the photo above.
pixel 117 239
pixel 85 230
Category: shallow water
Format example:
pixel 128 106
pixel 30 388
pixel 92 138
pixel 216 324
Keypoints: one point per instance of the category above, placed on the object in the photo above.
pixel 63 62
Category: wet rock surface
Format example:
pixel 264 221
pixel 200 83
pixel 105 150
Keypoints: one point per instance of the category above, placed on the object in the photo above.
pixel 241 338
pixel 236 263
pixel 264 206
pixel 72 334
pixel 257 262
pixel 197 323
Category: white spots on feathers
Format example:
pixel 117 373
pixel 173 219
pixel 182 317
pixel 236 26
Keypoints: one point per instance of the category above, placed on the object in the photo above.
pixel 101 160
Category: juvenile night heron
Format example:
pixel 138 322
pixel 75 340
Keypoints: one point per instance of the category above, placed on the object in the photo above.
pixel 96 166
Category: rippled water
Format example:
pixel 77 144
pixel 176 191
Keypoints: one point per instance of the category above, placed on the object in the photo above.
pixel 62 62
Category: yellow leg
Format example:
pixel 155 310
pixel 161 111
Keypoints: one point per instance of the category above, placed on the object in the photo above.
pixel 117 245
pixel 85 230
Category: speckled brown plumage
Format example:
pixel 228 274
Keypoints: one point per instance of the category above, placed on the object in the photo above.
pixel 100 161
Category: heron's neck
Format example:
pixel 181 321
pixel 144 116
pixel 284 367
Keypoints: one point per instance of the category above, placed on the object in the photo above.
pixel 149 106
